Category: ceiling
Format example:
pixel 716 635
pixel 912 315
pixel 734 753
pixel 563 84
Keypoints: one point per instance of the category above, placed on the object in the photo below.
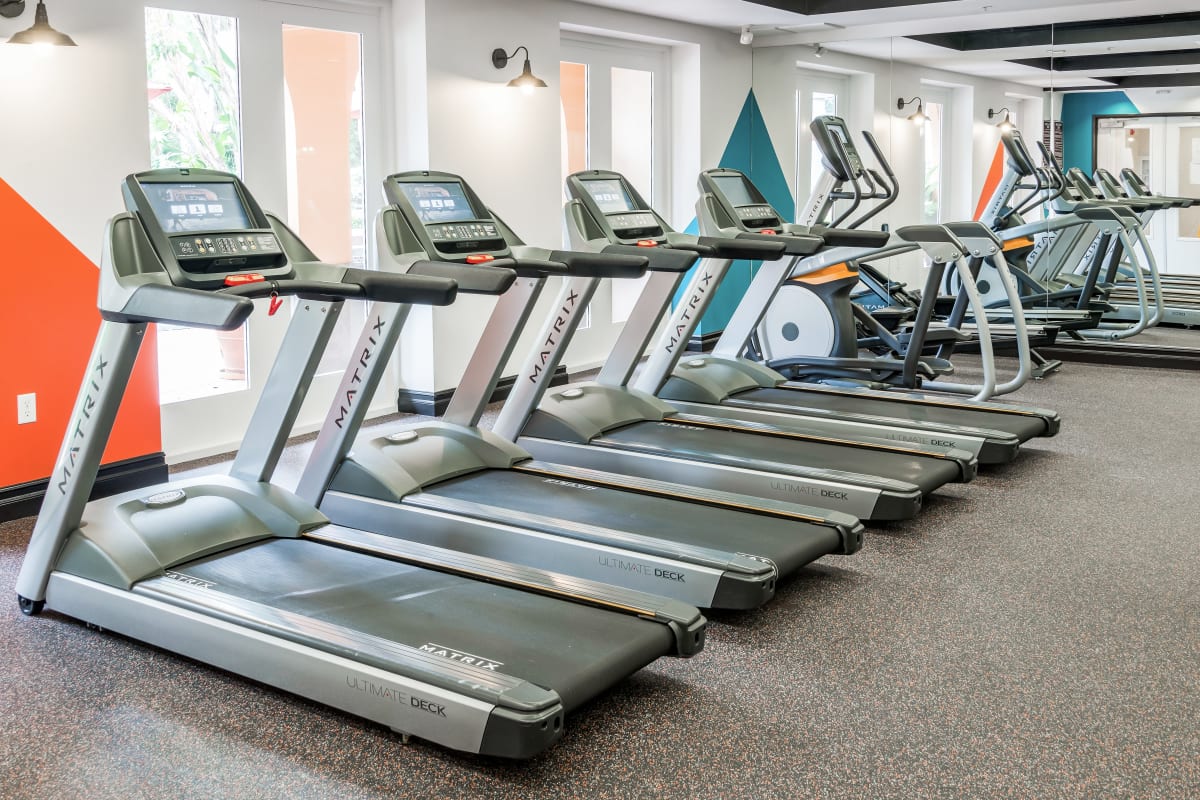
pixel 1083 44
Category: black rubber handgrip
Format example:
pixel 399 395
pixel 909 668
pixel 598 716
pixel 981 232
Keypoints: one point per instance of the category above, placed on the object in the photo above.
pixel 604 264
pixel 660 259
pixel 1094 213
pixel 358 284
pixel 490 277
pixel 852 237
pixel 926 234
pixel 387 288
pixel 702 250
pixel 972 230
pixel 536 268
pixel 793 245
pixel 745 249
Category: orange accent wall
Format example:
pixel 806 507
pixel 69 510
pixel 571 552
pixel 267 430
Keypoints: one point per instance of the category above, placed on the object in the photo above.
pixel 995 173
pixel 48 324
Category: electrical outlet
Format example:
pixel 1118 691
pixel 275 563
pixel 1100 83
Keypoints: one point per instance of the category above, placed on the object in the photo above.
pixel 26 408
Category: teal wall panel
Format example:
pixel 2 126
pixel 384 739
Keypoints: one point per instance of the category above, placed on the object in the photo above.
pixel 1079 111
pixel 750 150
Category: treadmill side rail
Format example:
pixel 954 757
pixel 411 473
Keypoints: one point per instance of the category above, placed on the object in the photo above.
pixel 463 714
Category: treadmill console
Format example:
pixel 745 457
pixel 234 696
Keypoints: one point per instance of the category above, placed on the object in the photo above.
pixel 741 201
pixel 828 131
pixel 1135 180
pixel 448 219
pixel 616 206
pixel 204 226
pixel 1083 184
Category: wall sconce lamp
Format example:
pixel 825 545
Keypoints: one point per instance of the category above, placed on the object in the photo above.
pixel 41 33
pixel 526 81
pixel 917 117
pixel 747 35
pixel 1005 124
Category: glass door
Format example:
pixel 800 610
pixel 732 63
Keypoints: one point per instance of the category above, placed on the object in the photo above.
pixel 291 97
pixel 818 94
pixel 1182 177
pixel 1137 143
pixel 615 111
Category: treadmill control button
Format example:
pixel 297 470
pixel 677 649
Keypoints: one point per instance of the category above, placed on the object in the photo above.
pixel 164 499
pixel 571 394
pixel 400 437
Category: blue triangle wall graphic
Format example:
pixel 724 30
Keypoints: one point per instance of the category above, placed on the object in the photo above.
pixel 750 150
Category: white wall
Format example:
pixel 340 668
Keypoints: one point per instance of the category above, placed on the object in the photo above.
pixel 75 118
pixel 1176 100
pixel 900 140
pixel 506 144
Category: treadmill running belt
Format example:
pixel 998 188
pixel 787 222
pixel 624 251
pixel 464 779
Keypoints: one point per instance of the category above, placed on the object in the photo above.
pixel 790 544
pixel 712 445
pixel 1024 426
pixel 573 649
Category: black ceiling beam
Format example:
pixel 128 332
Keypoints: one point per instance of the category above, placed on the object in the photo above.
pixel 1133 82
pixel 1156 58
pixel 1153 81
pixel 816 7
pixel 1158 26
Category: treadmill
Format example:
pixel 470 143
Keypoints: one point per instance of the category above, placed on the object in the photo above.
pixel 450 483
pixel 723 208
pixel 736 388
pixel 608 426
pixel 471 653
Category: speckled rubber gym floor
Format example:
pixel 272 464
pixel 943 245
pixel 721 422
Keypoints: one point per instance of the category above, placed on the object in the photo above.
pixel 1034 634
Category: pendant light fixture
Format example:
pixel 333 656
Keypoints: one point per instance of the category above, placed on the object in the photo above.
pixel 526 81
pixel 41 33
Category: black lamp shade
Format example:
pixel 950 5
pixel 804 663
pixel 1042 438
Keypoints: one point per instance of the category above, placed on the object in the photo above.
pixel 527 80
pixel 41 32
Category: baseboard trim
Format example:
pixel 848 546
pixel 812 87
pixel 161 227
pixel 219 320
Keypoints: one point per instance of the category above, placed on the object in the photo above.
pixel 25 499
pixel 434 404
pixel 704 343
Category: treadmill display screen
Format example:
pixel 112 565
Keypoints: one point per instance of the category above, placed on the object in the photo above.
pixel 610 196
pixel 736 190
pixel 439 202
pixel 188 207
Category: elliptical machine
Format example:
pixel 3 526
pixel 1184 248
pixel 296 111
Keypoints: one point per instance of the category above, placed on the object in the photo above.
pixel 815 330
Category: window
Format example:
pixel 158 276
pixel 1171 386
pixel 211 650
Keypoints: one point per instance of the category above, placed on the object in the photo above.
pixel 195 121
pixel 933 196
pixel 322 72
pixel 823 104
pixel 613 101
pixel 818 94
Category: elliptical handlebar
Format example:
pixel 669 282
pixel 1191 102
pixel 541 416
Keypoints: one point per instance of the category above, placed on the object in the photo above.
pixel 888 181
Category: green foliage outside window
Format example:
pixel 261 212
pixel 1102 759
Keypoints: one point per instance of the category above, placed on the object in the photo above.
pixel 192 76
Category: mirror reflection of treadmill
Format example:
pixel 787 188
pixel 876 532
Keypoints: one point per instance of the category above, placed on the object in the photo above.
pixel 907 409
pixel 605 424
